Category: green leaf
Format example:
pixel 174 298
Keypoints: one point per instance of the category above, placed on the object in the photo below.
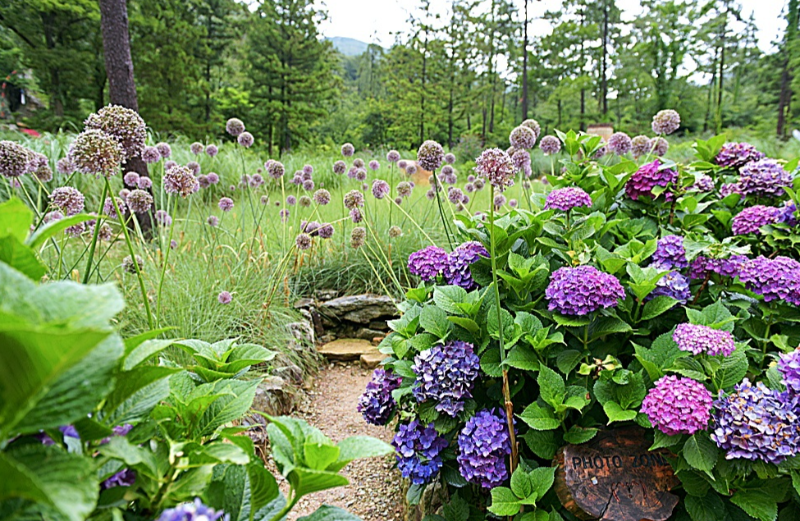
pixel 228 408
pixel 319 455
pixel 263 486
pixel 521 484
pixel 658 306
pixel 733 369
pixel 330 513
pixel 137 392
pixel 551 386
pixel 504 502
pixel 357 447
pixel 144 352
pixel 706 508
pixel 616 413
pixel 542 443
pixel 700 452
pixel 21 258
pixel 539 418
pixel 457 509
pixel 577 435
pixel 434 321
pixel 446 297
pixel 307 481
pixel 757 503
pixel 15 219
pixel 522 357
pixel 568 360
pixel 38 238
pixel 542 479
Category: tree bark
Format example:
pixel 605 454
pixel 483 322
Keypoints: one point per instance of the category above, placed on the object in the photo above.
pixel 525 67
pixel 604 63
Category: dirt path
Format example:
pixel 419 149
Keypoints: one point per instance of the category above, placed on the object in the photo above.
pixel 374 490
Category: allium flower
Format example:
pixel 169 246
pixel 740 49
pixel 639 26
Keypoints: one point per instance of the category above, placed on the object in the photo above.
pixel 308 185
pixel 520 159
pixel 53 216
pixel 348 150
pixel 734 155
pixel 245 139
pixel 456 271
pixel 303 241
pixel 226 204
pixel 169 164
pixel 322 197
pixel 703 183
pixel 256 180
pixel 393 156
pixel 304 201
pixel 361 174
pixel 179 180
pixel 673 285
pixel 374 165
pixel 751 219
pixel 469 188
pixel 619 143
pixel 455 195
pixel 773 279
pixel 194 166
pixel 550 145
pixel 499 201
pixel 163 218
pixel 600 152
pixel 582 290
pixel 660 146
pixel 428 263
pixel 533 125
pixel 395 232
pixel 213 221
pixel 430 155
pixel 641 146
pixel 789 367
pixel 353 198
pixel 402 164
pixel 698 339
pixel 430 194
pixel 483 447
pixel 95 152
pixel 678 405
pixel 123 124
pixel 291 200
pixel 144 183
pixel 110 210
pixel 756 423
pixel 196 148
pixel 565 199
pixel 76 230
pixel 139 201
pixel 356 215
pixel 764 178
pixel 339 167
pixel 124 193
pixel 15 159
pixel 128 264
pixel 411 169
pixel 357 237
pixel 63 165
pixel 212 150
pixel 418 451
pixel 67 199
pixel 666 122
pixel 380 189
pixel 376 405
pixel 325 231
pixel 164 150
pixel 522 138
pixel 105 233
pixel 131 179
pixel 648 177
pixel 195 511
pixel 234 127
pixel 670 252
pixel 404 189
pixel 496 167
pixel 44 173
pixel 449 158
pixel 213 178
pixel 358 162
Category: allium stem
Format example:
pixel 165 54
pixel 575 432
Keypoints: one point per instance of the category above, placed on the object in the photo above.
pixel 509 406
pixel 441 211
pixel 413 222
pixel 166 256
pixel 93 246
pixel 133 257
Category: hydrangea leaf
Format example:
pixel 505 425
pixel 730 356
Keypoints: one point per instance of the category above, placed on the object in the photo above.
pixel 757 503
pixel 504 502
pixel 700 452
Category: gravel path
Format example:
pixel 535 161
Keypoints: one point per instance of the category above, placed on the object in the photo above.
pixel 374 490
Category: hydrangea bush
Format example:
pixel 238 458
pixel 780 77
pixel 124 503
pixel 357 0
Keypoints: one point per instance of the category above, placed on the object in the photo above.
pixel 624 295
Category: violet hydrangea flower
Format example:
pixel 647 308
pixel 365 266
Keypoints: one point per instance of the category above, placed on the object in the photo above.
pixel 582 290
pixel 673 285
pixel 670 252
pixel 789 367
pixel 195 511
pixel 446 374
pixel 376 405
pixel 428 262
pixel 698 339
pixel 456 271
pixel 773 279
pixel 734 155
pixel 764 178
pixel 678 405
pixel 418 451
pixel 565 199
pixel 648 177
pixel 484 445
pixel 752 218
pixel 702 266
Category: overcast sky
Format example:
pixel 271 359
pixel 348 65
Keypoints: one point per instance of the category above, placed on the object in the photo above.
pixel 377 20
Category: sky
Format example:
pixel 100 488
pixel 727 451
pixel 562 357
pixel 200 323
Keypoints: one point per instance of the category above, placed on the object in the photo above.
pixel 376 21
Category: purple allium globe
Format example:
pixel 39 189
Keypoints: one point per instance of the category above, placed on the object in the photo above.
pixel 358 162
pixel 521 159
pixel 291 200
pixel 275 169
pixel 449 158
pixel 670 252
pixel 418 451
pixel 308 185
pixel 522 138
pixel 144 183
pixel 15 159
pixel 226 204
pixel 356 216
pixel 122 123
pixel 44 173
pixel 325 231
pixel 304 201
pixel 550 145
pixel 139 201
pixel 789 367
pixel 234 127
pixel 357 237
pixel 196 148
pixel 660 146
pixel 404 189
pixel 76 230
pixel 455 195
pixel 673 285
pixel 353 199
pixel 428 263
pixel 456 271
pixel 533 125
pixel 496 166
pixel 164 150
pixel 734 155
pixel 110 210
pixel 393 156
pixel 380 188
pixel 361 174
pixel 67 199
pixel 701 266
pixel 678 405
pixel 483 447
pixel 245 139
pixel 752 218
pixel 348 150
pixel 213 221
pixel 666 122
pixel 764 178
pixel 179 180
pixel 303 241
pixel 395 232
pixel 698 339
pixel 95 152
pixel 647 177
pixel 582 290
pixel 619 143
pixel 53 216
pixel 213 178
pixel 63 165
pixel 195 511
pixel 212 150
pixel 322 197
pixel 641 146
pixel 131 179
pixel 565 199
pixel 600 152
pixel 224 297
pixel 132 265
pixel 163 218
pixel 339 167
pixel 499 201
pixel 430 155
pixel 756 423
pixel 773 279
pixel 411 169
pixel 376 405
pixel 374 165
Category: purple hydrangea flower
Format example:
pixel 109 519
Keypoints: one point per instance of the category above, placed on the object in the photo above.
pixel 446 374
pixel 673 285
pixel 666 122
pixel 619 143
pixel 703 183
pixel 565 199
pixel 774 279
pixel 582 290
pixel 123 478
pixel 678 405
pixel 698 339
pixel 522 138
pixel 756 423
pixel 428 262
pixel 702 267
pixel 730 188
pixel 484 445
pixel 648 177
pixel 195 511
pixel 641 146
pixel 752 218
pixel 788 214
pixel 376 405
pixel 764 178
pixel 456 271
pixel 734 155
pixel 430 155
pixel 224 297
pixel 418 451
pixel 670 252
pixel 550 145
pixel 789 366
pixel 496 166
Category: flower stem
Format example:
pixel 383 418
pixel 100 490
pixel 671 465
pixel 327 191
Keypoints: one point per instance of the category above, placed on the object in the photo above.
pixel 166 255
pixel 98 222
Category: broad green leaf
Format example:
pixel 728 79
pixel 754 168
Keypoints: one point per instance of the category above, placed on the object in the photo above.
pixel 616 413
pixel 504 502
pixel 357 447
pixel 307 480
pixel 539 418
pixel 658 306
pixel 542 479
pixel 137 392
pixel 144 352
pixel 319 455
pixel 700 452
pixel 263 486
pixel 21 258
pixel 551 386
pixel 707 508
pixel 577 435
pixel 446 297
pixel 15 219
pixel 37 239
pixel 330 513
pixel 228 408
pixel 542 443
pixel 434 321
pixel 757 503
pixel 521 484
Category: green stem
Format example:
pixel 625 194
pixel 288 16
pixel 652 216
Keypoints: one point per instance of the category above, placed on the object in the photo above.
pixel 93 246
pixel 166 258
pixel 441 211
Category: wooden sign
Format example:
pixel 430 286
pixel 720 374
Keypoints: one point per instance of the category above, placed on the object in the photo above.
pixel 614 477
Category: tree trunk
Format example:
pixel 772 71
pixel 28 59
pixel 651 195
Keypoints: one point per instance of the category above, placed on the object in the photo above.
pixel 786 76
pixel 604 62
pixel 525 67
pixel 422 96
pixel 721 76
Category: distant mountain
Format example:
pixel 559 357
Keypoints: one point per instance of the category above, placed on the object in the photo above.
pixel 348 46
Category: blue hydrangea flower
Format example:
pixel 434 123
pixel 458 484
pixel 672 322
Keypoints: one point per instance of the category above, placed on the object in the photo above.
pixel 446 374
pixel 789 366
pixel 428 262
pixel 674 285
pixel 195 511
pixel 456 272
pixel 376 405
pixel 670 252
pixel 418 451
pixel 483 446
pixel 582 290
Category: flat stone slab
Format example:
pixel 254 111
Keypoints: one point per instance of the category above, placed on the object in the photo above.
pixel 347 349
pixel 361 309
pixel 372 360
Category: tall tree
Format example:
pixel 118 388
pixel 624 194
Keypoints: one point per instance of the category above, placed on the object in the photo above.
pixel 789 40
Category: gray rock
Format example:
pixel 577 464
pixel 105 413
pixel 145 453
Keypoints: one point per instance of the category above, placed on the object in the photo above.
pixel 304 303
pixel 274 396
pixel 379 325
pixel 326 294
pixel 302 331
pixel 361 309
pixel 369 334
